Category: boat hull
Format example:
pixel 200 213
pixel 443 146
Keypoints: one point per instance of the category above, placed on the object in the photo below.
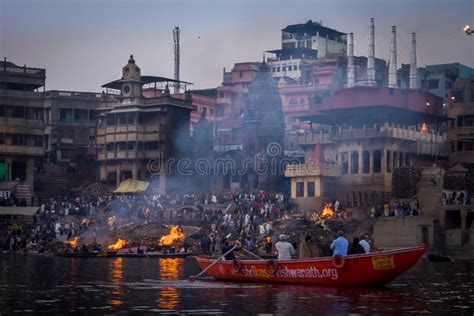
pixel 154 255
pixel 371 269
pixel 104 254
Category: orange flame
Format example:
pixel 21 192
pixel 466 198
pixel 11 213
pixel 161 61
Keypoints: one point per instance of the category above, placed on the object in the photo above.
pixel 118 245
pixel 327 211
pixel 73 242
pixel 424 128
pixel 175 235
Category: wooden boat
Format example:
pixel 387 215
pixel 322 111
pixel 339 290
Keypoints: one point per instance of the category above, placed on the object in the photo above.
pixel 370 269
pixel 92 254
pixel 153 254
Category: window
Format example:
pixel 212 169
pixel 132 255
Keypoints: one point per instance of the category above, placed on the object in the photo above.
pixel 62 114
pixel 433 84
pixel 18 111
pixel 122 119
pixel 110 120
pixel 38 140
pixel 221 94
pixel 308 44
pixel 278 69
pixel 344 163
pixel 316 80
pixel 274 69
pixel 293 102
pixel 311 191
pixel 377 161
pixel 2 139
pixel 151 145
pixel 131 145
pixel 121 146
pixel 299 189
pixel 131 118
pixel 2 110
pixel 240 74
pixel 283 68
pixel 354 162
pixel 18 140
pixel 140 145
pixel 110 146
pixel 301 101
pixel 389 161
pixel 366 162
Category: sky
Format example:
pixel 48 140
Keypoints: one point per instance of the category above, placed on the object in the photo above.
pixel 84 44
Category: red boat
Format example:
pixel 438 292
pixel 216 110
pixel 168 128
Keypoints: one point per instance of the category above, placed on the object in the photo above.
pixel 370 269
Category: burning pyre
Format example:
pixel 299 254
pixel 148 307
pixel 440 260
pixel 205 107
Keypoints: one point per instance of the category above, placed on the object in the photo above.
pixel 424 128
pixel 73 242
pixel 327 211
pixel 119 244
pixel 174 236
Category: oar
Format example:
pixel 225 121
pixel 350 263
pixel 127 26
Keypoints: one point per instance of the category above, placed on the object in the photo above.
pixel 251 253
pixel 193 278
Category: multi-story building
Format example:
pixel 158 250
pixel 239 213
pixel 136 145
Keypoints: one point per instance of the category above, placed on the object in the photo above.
pixel 461 125
pixel 21 120
pixel 136 135
pixel 361 134
pixel 70 118
pixel 230 105
pixel 439 79
pixel 301 42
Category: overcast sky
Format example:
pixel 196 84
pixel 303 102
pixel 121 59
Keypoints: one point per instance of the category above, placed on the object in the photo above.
pixel 84 44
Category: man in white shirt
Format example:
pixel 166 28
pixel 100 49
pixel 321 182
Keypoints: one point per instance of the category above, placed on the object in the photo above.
pixel 364 243
pixel 284 248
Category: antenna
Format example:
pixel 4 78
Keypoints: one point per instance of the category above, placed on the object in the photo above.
pixel 176 58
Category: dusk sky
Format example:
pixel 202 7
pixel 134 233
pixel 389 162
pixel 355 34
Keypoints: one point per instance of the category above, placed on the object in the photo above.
pixel 84 44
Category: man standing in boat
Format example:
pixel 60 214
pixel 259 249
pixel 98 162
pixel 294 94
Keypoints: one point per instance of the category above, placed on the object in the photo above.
pixel 340 244
pixel 284 248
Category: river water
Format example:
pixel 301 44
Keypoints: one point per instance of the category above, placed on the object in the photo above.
pixel 143 285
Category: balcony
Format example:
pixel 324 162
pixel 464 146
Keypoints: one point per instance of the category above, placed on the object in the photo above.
pixel 466 132
pixel 304 170
pixel 21 150
pixel 322 137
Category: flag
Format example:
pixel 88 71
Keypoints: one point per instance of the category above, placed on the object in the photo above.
pixel 3 170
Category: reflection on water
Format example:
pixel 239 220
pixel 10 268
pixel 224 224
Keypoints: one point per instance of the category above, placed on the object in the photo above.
pixel 116 276
pixel 169 296
pixel 124 285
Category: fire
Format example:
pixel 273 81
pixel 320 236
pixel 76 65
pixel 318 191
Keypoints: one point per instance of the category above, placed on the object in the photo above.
pixel 175 235
pixel 424 128
pixel 327 211
pixel 73 242
pixel 118 245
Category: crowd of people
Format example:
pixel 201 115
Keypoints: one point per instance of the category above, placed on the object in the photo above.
pixel 397 208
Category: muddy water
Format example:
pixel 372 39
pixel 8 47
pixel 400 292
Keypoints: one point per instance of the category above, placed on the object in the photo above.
pixel 61 285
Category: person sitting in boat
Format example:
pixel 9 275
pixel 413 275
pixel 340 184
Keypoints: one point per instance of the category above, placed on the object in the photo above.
pixel 225 248
pixel 356 248
pixel 340 245
pixel 308 248
pixel 364 243
pixel 285 249
pixel 84 248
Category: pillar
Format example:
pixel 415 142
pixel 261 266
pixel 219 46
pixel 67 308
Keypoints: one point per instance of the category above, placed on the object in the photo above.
pixel 371 161
pixel 349 162
pixel 361 162
pixel 384 160
pixel 30 165
pixel 162 186
pixel 134 171
pixel 9 162
pixel 119 171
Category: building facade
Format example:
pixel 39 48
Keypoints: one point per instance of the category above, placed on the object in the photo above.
pixel 359 136
pixel 21 120
pixel 461 124
pixel 138 136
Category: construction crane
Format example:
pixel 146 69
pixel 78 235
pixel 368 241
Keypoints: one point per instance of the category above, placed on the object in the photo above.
pixel 176 58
